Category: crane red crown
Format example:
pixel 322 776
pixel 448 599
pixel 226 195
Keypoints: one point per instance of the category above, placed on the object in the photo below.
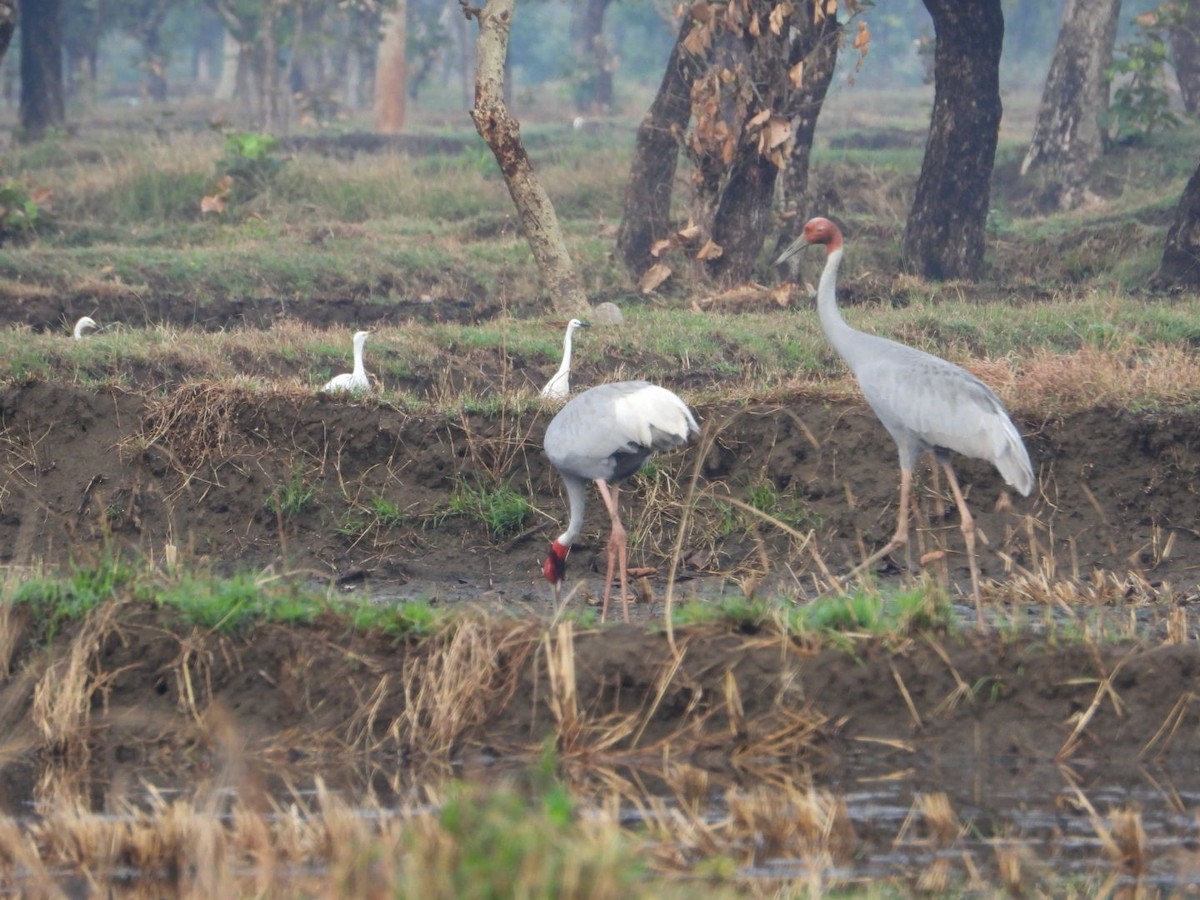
pixel 555 566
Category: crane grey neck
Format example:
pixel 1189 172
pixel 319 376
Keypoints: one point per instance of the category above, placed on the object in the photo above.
pixel 577 498
pixel 840 335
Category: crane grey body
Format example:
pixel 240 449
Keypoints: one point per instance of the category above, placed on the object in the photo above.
pixel 559 385
pixel 355 381
pixel 926 403
pixel 605 435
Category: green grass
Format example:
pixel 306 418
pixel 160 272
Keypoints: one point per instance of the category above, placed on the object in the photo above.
pixel 292 497
pixel 57 600
pixel 227 604
pixel 500 509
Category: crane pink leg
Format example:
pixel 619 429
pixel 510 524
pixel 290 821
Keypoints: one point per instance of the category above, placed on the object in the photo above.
pixel 618 548
pixel 900 538
pixel 967 523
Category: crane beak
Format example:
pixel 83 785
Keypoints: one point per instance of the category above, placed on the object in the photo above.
pixel 792 249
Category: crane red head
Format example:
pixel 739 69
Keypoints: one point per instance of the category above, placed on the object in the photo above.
pixel 816 231
pixel 822 231
pixel 555 566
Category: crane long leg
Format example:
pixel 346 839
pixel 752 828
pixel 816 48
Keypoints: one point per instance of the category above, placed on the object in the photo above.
pixel 900 538
pixel 967 523
pixel 618 548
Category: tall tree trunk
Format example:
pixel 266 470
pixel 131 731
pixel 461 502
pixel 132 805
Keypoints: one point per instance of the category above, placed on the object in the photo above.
pixel 231 55
pixel 42 105
pixel 813 48
pixel 154 61
pixel 1185 53
pixel 502 133
pixel 8 25
pixel 1180 265
pixel 944 236
pixel 593 63
pixel 268 68
pixel 646 211
pixel 736 106
pixel 391 71
pixel 1068 139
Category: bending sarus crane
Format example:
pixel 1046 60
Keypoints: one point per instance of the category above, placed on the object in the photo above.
pixel 559 385
pixel 605 435
pixel 355 381
pixel 926 403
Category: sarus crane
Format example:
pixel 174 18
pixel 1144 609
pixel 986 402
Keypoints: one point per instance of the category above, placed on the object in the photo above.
pixel 604 435
pixel 928 405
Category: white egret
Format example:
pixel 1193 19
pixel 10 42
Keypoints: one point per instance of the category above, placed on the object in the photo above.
pixel 559 386
pixel 355 381
pixel 85 323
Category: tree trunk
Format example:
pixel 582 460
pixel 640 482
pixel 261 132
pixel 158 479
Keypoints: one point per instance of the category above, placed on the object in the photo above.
pixel 1180 265
pixel 8 25
pixel 391 72
pixel 268 68
pixel 1185 53
pixel 502 134
pixel 231 54
pixel 41 68
pixel 1068 139
pixel 593 62
pixel 154 60
pixel 646 211
pixel 815 45
pixel 944 236
pixel 735 105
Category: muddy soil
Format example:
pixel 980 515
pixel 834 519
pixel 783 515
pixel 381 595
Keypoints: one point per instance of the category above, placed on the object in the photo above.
pixel 362 491
pixel 85 472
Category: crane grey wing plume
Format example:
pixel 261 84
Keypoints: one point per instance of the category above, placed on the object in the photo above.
pixel 928 403
pixel 609 431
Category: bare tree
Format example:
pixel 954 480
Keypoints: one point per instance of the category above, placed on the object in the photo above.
pixel 1068 138
pixel 42 106
pixel 593 61
pixel 736 74
pixel 944 236
pixel 646 211
pixel 391 70
pixel 502 133
pixel 1180 265
pixel 812 58
pixel 1185 51
pixel 8 25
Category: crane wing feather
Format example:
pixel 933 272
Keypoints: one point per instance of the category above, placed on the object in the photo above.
pixel 928 403
pixel 608 431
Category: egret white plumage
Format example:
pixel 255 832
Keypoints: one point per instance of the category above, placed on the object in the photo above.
pixel 559 385
pixel 355 381
pixel 928 405
pixel 605 435
pixel 85 323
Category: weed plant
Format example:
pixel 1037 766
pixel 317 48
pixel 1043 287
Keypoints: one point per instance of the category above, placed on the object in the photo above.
pixel 500 509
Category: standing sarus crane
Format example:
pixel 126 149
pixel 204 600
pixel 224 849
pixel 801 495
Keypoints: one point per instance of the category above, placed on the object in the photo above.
pixel 926 403
pixel 559 385
pixel 605 435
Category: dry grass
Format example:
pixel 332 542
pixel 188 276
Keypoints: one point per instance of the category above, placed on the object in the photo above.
pixel 65 694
